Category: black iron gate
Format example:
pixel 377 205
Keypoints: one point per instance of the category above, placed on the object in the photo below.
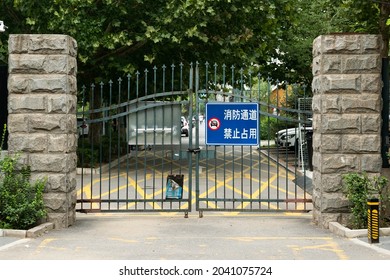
pixel 142 143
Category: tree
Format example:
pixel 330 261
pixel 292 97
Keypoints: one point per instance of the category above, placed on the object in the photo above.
pixel 116 36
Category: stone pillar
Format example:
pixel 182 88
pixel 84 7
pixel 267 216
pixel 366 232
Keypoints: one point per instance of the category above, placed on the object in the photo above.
pixel 42 116
pixel 347 118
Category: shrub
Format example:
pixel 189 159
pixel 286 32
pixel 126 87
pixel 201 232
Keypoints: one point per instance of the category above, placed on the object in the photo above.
pixel 358 188
pixel 21 202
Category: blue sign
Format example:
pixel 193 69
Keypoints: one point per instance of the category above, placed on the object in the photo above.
pixel 232 124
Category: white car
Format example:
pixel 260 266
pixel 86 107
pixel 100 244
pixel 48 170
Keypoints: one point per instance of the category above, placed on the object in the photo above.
pixel 289 138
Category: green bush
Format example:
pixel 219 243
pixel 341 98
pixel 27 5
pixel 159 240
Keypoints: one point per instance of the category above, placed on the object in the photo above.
pixel 21 202
pixel 105 150
pixel 359 188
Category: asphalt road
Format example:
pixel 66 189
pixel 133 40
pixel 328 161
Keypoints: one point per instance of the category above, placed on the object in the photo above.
pixel 169 236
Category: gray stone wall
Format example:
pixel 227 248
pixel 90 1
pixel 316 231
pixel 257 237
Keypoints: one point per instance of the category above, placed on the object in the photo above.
pixel 347 107
pixel 42 116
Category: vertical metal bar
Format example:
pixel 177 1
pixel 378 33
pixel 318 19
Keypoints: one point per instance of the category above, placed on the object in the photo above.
pixel 154 136
pixel 101 145
pixel 224 146
pixel 162 136
pixel 145 144
pixel 110 147
pixel 196 96
pixel 286 154
pixel 251 164
pixel 232 147
pixel 82 146
pixel 268 132
pixel 91 131
pixel 137 128
pixel 304 171
pixel 127 141
pixel 190 147
pixel 242 99
pixel 277 153
pixel 260 136
pixel 118 127
pixel 145 135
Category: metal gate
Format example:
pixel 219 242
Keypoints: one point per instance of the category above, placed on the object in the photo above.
pixel 143 143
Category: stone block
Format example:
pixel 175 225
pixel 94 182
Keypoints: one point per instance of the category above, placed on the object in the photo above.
pixel 341 44
pixel 64 143
pixel 56 123
pixel 361 143
pixel 340 123
pixel 38 64
pixel 331 103
pixel 17 123
pixel 371 163
pixel 60 163
pixel 18 103
pixel 334 203
pixel 59 103
pixel 316 103
pixel 330 143
pixel 57 182
pixel 59 219
pixel 371 83
pixel 49 84
pixel 371 123
pixel 55 202
pixel 340 84
pixel 42 44
pixel 41 122
pixel 317 161
pixel 44 84
pixel 18 84
pixel 366 103
pixel 332 183
pixel 372 43
pixel 30 143
pixel 18 43
pixel 317 45
pixel 368 64
pixel 336 163
pixel 316 85
pixel 58 143
pixel 52 44
pixel 331 64
pixel 317 66
pixel 317 142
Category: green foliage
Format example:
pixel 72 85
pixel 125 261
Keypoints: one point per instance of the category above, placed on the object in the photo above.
pixel 269 126
pixel 21 202
pixel 109 147
pixel 3 137
pixel 117 37
pixel 358 188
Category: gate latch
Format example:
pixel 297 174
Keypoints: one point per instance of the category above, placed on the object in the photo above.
pixel 195 151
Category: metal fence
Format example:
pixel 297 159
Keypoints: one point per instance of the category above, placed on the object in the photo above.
pixel 142 143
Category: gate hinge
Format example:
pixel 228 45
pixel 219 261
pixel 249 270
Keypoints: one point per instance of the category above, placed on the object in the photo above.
pixel 195 151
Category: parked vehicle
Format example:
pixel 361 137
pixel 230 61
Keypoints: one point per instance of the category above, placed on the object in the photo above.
pixel 289 138
pixel 184 126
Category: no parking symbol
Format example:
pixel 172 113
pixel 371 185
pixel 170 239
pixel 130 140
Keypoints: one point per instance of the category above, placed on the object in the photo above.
pixel 214 124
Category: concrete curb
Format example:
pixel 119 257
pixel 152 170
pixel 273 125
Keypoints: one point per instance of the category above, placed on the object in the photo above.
pixel 343 231
pixel 31 233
